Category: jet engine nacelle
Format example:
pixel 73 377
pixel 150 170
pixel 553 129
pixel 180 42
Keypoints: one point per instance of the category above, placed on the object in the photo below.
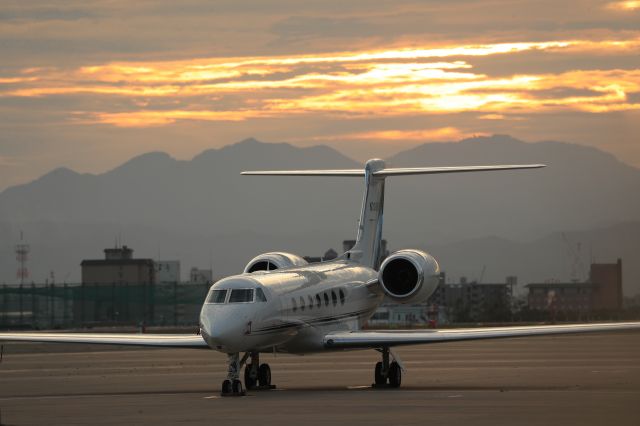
pixel 409 276
pixel 274 260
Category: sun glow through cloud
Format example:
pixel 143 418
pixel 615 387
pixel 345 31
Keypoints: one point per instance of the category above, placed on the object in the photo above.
pixel 391 82
pixel 438 134
pixel 625 5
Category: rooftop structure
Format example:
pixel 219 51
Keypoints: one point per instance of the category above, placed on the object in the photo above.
pixel 167 271
pixel 200 276
pixel 603 291
pixel 118 267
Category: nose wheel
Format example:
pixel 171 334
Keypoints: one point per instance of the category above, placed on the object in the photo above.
pixel 232 386
pixel 387 374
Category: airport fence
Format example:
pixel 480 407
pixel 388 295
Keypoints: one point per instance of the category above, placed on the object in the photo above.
pixel 52 306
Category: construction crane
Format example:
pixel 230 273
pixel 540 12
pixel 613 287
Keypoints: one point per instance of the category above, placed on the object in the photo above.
pixel 484 268
pixel 577 265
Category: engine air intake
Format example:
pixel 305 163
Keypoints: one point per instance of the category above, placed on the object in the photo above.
pixel 272 261
pixel 409 276
pixel 262 265
pixel 400 276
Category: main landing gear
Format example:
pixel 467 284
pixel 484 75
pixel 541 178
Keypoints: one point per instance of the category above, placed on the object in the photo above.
pixel 256 375
pixel 387 375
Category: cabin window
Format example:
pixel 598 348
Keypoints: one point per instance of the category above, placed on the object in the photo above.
pixel 294 305
pixel 341 296
pixel 260 295
pixel 318 301
pixel 217 296
pixel 302 303
pixel 241 295
pixel 326 299
pixel 334 298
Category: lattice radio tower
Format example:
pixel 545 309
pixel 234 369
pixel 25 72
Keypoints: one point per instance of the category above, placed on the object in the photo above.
pixel 22 255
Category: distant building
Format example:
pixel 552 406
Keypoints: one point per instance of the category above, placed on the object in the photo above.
pixel 167 271
pixel 116 288
pixel 346 246
pixel 384 252
pixel 561 297
pixel 471 301
pixel 118 267
pixel 607 278
pixel 200 276
pixel 452 302
pixel 603 291
pixel 404 315
pixel 328 255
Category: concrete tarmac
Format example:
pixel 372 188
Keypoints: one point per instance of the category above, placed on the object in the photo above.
pixel 560 380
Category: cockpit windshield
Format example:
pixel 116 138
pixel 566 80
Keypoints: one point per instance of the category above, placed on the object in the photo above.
pixel 236 295
pixel 241 295
pixel 217 296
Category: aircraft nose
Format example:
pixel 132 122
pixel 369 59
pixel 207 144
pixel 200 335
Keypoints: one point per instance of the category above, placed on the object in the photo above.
pixel 224 329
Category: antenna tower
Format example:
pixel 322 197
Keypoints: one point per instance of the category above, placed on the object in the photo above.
pixel 22 255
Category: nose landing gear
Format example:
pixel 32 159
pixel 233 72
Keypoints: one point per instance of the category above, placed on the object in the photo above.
pixel 387 374
pixel 233 386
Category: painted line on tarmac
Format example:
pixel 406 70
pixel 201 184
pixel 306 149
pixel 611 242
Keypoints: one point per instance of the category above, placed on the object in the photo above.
pixel 105 395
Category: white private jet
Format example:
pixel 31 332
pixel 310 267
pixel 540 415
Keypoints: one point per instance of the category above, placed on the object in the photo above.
pixel 282 304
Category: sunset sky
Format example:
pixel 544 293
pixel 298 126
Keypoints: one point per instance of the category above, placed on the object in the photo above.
pixel 88 84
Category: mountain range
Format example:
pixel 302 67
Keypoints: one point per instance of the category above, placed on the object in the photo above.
pixel 204 213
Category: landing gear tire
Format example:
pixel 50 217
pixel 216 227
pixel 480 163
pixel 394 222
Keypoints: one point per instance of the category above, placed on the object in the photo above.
pixel 395 375
pixel 264 375
pixel 249 382
pixel 380 380
pixel 233 386
pixel 226 387
pixel 236 387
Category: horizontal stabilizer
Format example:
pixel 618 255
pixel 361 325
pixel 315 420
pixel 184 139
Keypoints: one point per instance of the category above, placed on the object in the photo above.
pixel 393 171
pixel 345 172
pixel 456 169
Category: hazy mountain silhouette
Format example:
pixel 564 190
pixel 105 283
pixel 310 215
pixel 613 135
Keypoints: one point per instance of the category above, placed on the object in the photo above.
pixel 580 189
pixel 202 209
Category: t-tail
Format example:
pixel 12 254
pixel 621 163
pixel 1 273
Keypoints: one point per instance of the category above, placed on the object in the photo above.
pixel 366 250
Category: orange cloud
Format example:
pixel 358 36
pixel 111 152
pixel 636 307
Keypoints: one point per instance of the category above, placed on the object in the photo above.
pixel 159 118
pixel 439 134
pixel 492 117
pixel 389 82
pixel 486 94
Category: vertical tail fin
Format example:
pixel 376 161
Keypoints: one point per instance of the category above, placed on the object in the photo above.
pixel 367 247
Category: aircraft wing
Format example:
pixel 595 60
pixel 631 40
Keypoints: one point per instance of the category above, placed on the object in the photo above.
pixel 158 340
pixel 380 339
